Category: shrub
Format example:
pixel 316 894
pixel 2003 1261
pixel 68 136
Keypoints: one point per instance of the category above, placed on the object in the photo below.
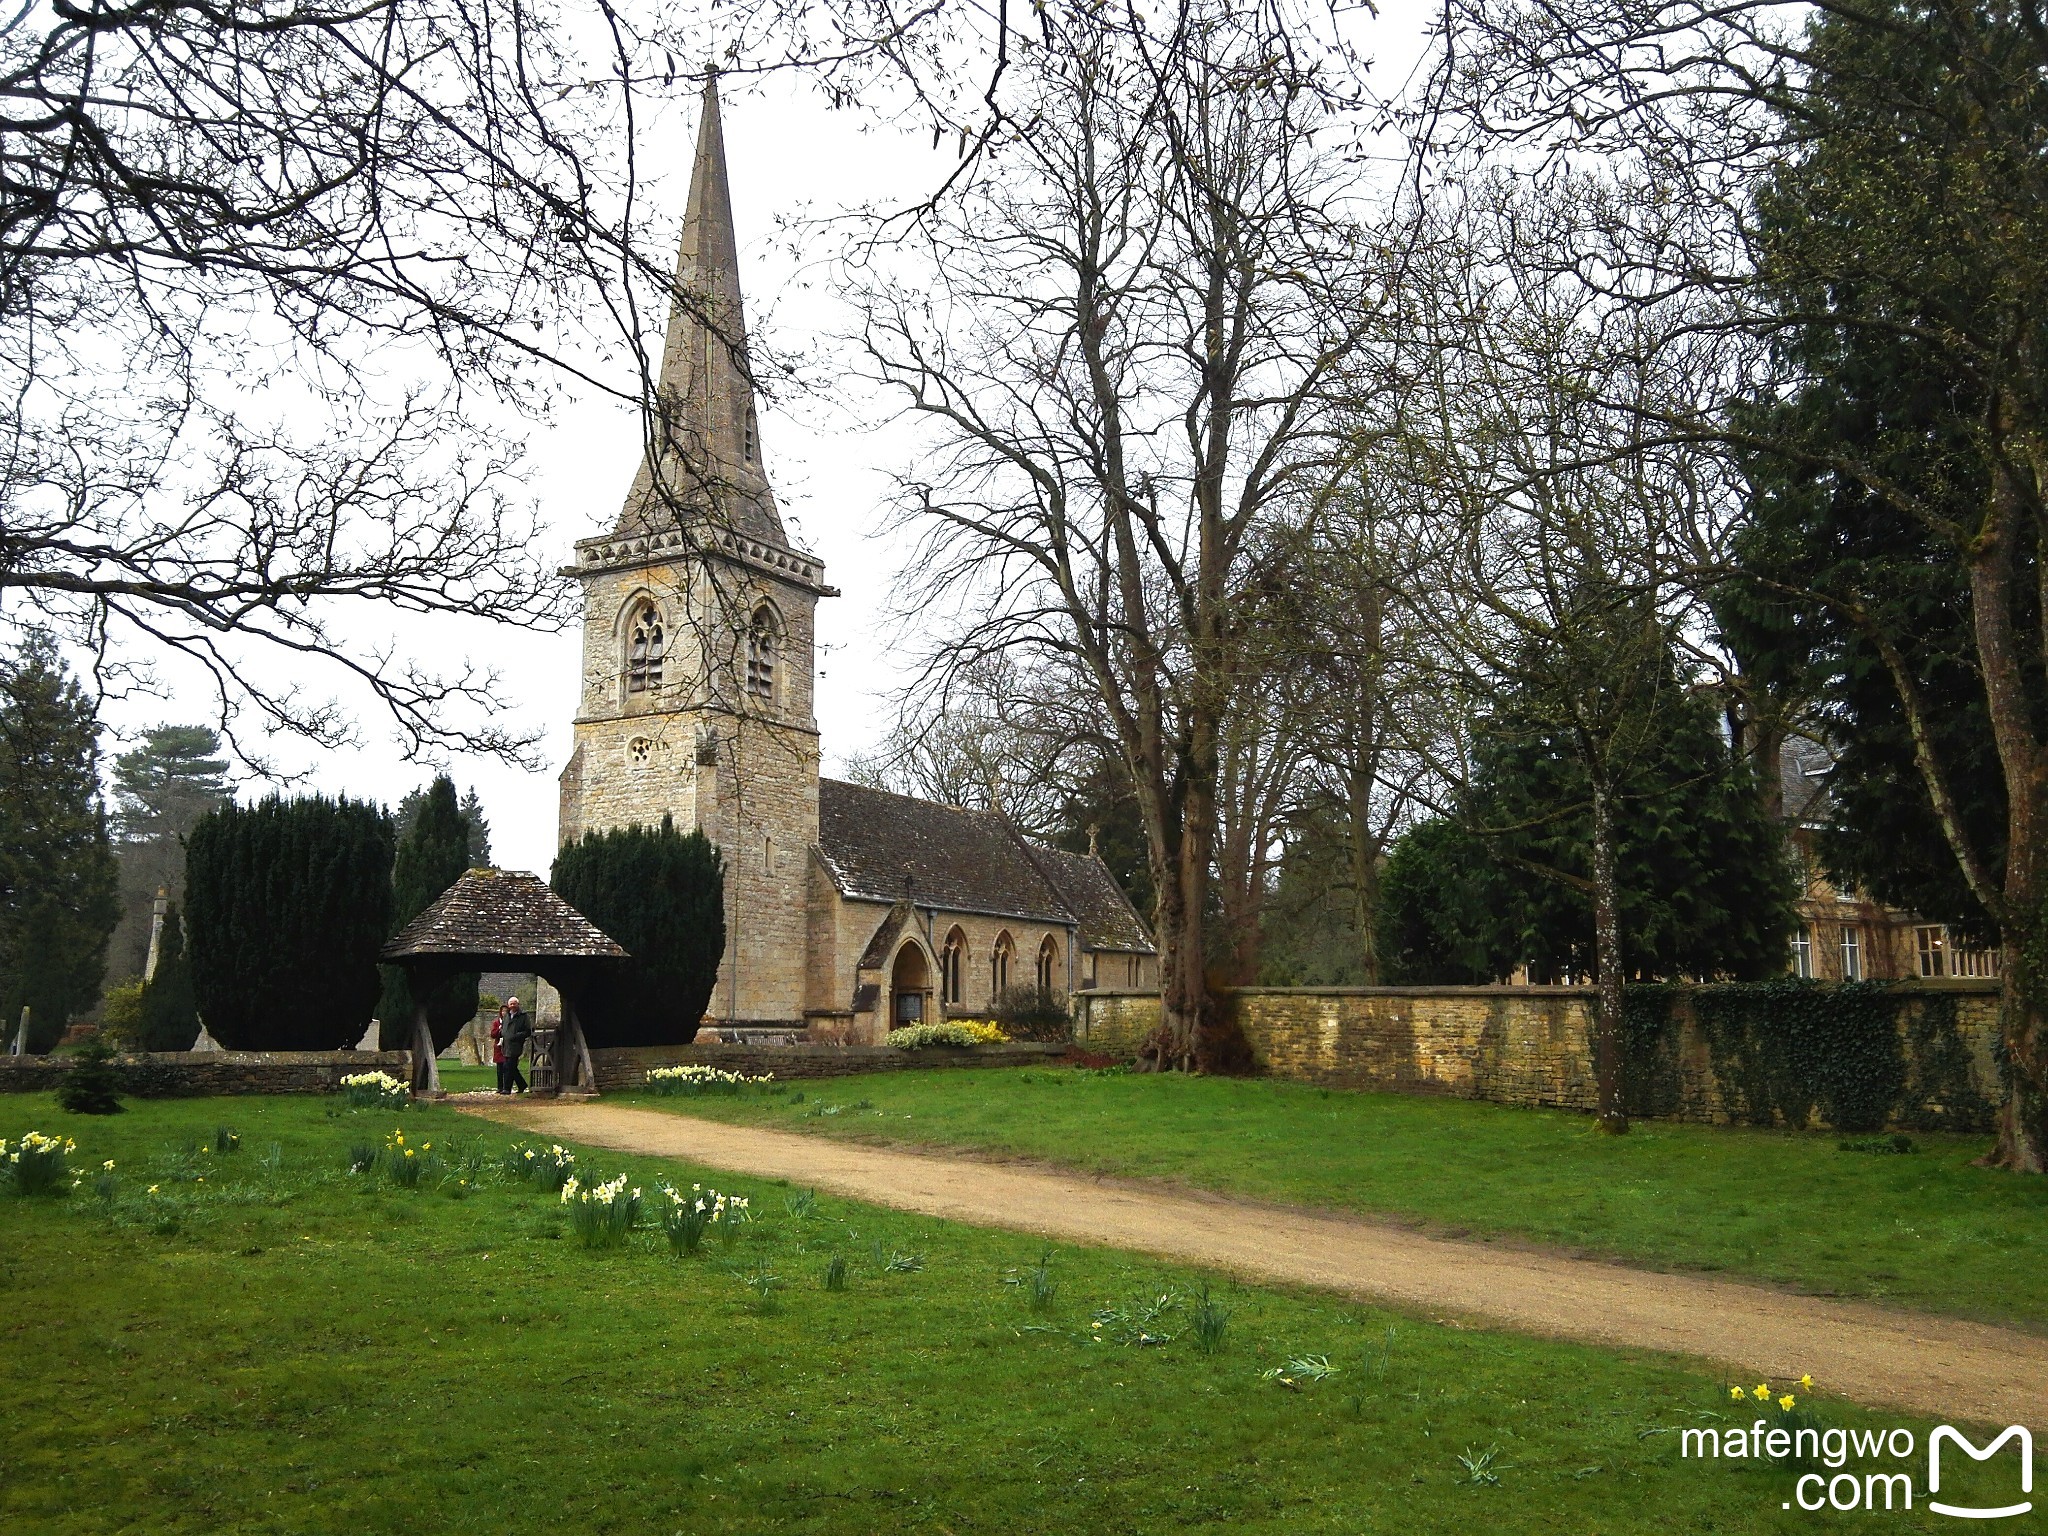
pixel 121 1014
pixel 601 1215
pixel 36 1164
pixel 915 1037
pixel 287 903
pixel 170 1018
pixel 1033 1013
pixel 661 894
pixel 91 1087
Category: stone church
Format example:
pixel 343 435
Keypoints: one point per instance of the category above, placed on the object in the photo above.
pixel 849 911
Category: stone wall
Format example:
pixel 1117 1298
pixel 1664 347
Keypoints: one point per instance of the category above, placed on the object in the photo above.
pixel 192 1074
pixel 625 1068
pixel 1505 1045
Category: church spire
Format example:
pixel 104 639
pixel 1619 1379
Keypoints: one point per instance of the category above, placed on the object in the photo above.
pixel 712 462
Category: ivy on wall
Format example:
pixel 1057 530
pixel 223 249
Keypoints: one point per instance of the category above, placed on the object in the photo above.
pixel 1940 1094
pixel 1859 1053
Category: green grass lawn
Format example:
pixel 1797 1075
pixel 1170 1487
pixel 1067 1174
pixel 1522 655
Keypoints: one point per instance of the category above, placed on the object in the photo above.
pixel 270 1343
pixel 457 1078
pixel 1924 1230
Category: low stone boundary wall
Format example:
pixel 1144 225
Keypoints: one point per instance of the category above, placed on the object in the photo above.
pixel 1531 1046
pixel 194 1074
pixel 621 1068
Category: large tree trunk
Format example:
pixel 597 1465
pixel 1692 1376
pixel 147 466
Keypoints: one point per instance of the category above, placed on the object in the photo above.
pixel 1607 957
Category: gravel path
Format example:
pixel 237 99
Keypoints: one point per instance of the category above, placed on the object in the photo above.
pixel 1939 1367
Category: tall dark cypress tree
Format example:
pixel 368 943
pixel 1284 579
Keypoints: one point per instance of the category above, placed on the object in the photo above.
pixel 59 886
pixel 433 854
pixel 170 1018
pixel 287 904
pixel 661 894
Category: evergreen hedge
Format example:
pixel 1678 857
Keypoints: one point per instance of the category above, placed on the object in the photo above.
pixel 661 894
pixel 170 1018
pixel 287 903
pixel 432 856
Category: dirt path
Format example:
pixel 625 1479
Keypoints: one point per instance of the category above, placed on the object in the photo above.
pixel 1940 1367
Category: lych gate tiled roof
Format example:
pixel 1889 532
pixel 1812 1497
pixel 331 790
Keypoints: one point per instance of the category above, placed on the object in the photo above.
pixel 883 847
pixel 504 914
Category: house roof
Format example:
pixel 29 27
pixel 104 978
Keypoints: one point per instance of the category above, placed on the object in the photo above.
pixel 501 915
pixel 879 846
pixel 1802 778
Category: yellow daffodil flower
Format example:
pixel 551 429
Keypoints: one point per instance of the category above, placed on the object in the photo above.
pixel 152 1189
pixel 1763 1391
pixel 1787 1401
pixel 1736 1393
pixel 1806 1382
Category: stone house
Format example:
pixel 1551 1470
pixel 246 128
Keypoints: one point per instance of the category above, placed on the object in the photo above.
pixel 848 910
pixel 1843 935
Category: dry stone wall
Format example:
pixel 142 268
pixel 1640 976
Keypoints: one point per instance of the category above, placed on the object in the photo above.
pixel 1508 1045
pixel 192 1074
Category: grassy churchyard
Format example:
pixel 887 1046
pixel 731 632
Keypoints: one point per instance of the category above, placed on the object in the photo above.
pixel 261 1339
pixel 1924 1229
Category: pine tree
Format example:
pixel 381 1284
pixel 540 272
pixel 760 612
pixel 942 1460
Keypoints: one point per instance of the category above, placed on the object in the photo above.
pixel 170 1019
pixel 661 894
pixel 433 853
pixel 91 1086
pixel 161 789
pixel 287 903
pixel 58 885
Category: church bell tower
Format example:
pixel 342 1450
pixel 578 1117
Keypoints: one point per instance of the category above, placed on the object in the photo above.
pixel 698 642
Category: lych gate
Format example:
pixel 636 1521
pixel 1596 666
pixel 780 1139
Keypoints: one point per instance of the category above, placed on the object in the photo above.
pixel 502 920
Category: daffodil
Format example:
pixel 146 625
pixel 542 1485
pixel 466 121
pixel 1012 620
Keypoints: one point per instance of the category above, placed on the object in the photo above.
pixel 1806 1382
pixel 108 1165
pixel 1763 1391
pixel 1736 1393
pixel 152 1189
pixel 1786 1402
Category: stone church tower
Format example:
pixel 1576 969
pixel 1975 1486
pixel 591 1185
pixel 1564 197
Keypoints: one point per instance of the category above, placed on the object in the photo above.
pixel 697 630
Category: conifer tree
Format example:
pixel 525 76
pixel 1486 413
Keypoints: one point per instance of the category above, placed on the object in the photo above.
pixel 661 894
pixel 170 1019
pixel 58 884
pixel 287 904
pixel 433 853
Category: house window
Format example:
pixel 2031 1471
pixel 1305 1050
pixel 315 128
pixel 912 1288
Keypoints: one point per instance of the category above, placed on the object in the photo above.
pixel 953 968
pixel 761 649
pixel 1802 951
pixel 1932 943
pixel 1131 966
pixel 645 647
pixel 999 966
pixel 1852 952
pixel 1048 960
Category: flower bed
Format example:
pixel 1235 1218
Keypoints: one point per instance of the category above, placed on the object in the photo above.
pixel 962 1032
pixel 694 1079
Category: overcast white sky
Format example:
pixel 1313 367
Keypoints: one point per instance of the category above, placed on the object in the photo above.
pixel 793 161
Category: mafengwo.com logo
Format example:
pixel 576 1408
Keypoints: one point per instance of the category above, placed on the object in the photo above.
pixel 1873 1470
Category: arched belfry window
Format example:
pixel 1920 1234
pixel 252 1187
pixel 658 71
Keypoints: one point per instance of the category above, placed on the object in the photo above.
pixel 953 968
pixel 646 645
pixel 764 641
pixel 1048 962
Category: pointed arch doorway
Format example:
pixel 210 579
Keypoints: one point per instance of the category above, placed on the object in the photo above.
pixel 910 988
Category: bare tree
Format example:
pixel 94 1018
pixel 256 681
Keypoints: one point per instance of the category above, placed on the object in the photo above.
pixel 1916 134
pixel 1563 526
pixel 1122 336
pixel 283 285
